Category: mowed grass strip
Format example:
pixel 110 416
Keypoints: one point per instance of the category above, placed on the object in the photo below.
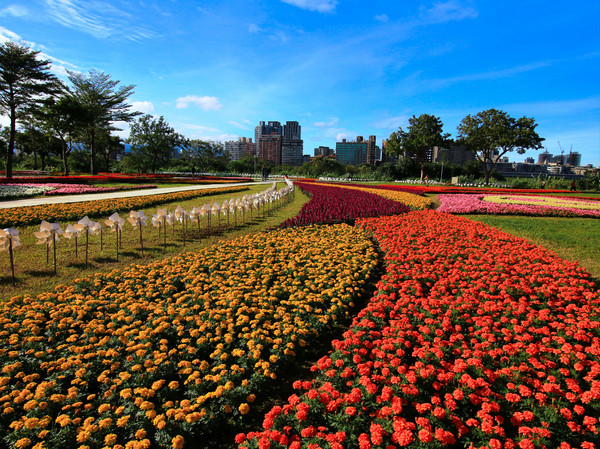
pixel 570 238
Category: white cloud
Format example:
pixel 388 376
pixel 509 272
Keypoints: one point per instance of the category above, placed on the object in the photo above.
pixel 205 102
pixel 14 10
pixel 314 5
pixel 7 35
pixel 447 11
pixel 383 18
pixel 340 136
pixel 144 107
pixel 254 28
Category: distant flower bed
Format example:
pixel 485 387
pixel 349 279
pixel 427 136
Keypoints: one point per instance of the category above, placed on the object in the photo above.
pixel 332 204
pixel 74 189
pixel 413 198
pixel 518 205
pixel 15 191
pixel 19 216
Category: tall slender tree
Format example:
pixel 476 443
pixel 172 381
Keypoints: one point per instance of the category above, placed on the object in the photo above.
pixel 105 102
pixel 25 84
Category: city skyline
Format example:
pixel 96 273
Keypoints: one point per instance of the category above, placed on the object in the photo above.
pixel 341 68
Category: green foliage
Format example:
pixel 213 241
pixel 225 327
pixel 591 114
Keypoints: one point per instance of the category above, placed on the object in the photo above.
pixel 424 133
pixel 25 85
pixel 153 143
pixel 105 103
pixel 204 156
pixel 492 133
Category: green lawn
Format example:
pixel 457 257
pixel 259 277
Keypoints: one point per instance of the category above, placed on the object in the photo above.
pixel 571 238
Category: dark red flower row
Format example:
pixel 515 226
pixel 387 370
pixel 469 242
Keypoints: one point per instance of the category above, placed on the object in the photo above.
pixel 330 204
pixel 475 338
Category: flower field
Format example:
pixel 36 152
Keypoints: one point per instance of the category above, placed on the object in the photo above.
pixel 20 216
pixel 14 191
pixel 475 338
pixel 334 204
pixel 547 206
pixel 411 197
pixel 161 354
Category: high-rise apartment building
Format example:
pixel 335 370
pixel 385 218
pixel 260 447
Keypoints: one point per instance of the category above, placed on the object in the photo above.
pixel 247 147
pixel 279 144
pixel 233 148
pixel 269 148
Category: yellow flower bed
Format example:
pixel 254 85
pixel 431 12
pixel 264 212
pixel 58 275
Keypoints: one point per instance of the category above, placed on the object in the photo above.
pixel 415 202
pixel 20 216
pixel 159 353
pixel 543 201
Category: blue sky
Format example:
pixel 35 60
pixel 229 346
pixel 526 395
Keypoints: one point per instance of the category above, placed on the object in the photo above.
pixel 341 68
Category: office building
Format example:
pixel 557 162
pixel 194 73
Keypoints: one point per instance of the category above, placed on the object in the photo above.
pixel 455 154
pixel 291 152
pixel 545 157
pixel 324 151
pixel 247 147
pixel 351 153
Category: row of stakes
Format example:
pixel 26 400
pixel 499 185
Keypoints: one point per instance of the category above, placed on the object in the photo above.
pixel 49 232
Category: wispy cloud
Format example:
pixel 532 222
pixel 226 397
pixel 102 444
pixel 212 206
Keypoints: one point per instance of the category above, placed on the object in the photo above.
pixel 451 10
pixel 314 5
pixel 239 125
pixel 99 18
pixel 333 121
pixel 7 35
pixel 383 18
pixel 14 10
pixel 391 123
pixel 254 28
pixel 205 102
pixel 556 108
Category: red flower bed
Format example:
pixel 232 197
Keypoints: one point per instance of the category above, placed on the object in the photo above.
pixel 475 338
pixel 336 204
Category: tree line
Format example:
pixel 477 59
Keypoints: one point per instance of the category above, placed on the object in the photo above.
pixel 74 123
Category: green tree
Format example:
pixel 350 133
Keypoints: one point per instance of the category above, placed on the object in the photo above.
pixel 205 156
pixel 492 133
pixel 105 103
pixel 423 133
pixel 109 147
pixel 153 140
pixel 25 84
pixel 65 119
